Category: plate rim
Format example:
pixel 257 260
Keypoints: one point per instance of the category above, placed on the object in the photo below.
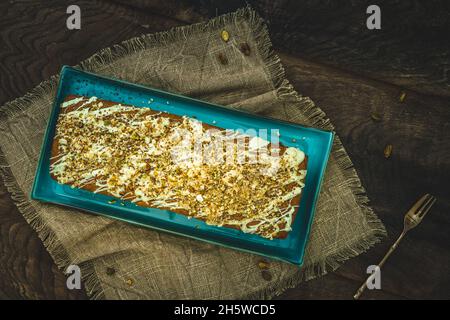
pixel 330 134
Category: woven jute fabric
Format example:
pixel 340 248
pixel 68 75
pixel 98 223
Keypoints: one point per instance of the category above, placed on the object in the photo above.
pixel 149 264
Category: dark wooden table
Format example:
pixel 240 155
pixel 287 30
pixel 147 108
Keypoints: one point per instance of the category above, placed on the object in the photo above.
pixel 329 55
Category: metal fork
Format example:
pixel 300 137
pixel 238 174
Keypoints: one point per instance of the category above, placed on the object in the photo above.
pixel 412 218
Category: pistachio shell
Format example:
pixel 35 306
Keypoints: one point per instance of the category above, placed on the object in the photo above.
pixel 245 48
pixel 266 275
pixel 388 151
pixel 129 282
pixel 263 265
pixel 225 35
pixel 376 116
pixel 110 271
pixel 222 58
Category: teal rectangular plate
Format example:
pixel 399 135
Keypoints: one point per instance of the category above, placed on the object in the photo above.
pixel 314 142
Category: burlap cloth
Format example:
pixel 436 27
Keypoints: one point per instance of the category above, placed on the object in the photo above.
pixel 122 261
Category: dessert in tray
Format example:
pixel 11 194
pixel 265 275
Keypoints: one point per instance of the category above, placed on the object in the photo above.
pixel 225 178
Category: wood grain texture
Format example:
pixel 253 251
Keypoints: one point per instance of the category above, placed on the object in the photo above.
pixel 26 268
pixel 411 50
pixel 418 130
pixel 34 43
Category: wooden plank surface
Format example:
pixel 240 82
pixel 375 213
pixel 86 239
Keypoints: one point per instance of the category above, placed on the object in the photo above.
pixel 34 43
pixel 411 50
pixel 420 163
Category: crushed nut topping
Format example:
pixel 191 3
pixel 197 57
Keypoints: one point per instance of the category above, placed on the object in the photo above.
pixel 128 152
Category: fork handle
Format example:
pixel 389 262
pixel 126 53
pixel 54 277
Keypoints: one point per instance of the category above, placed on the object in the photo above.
pixel 386 256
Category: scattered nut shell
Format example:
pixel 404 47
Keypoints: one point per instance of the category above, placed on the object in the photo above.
pixel 376 116
pixel 225 35
pixel 110 271
pixel 129 282
pixel 266 275
pixel 388 151
pixel 222 58
pixel 245 48
pixel 263 265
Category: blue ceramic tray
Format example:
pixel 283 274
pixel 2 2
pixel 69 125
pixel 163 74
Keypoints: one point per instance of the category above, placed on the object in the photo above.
pixel 315 143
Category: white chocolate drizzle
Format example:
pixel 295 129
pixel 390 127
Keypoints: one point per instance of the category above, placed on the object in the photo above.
pixel 128 152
